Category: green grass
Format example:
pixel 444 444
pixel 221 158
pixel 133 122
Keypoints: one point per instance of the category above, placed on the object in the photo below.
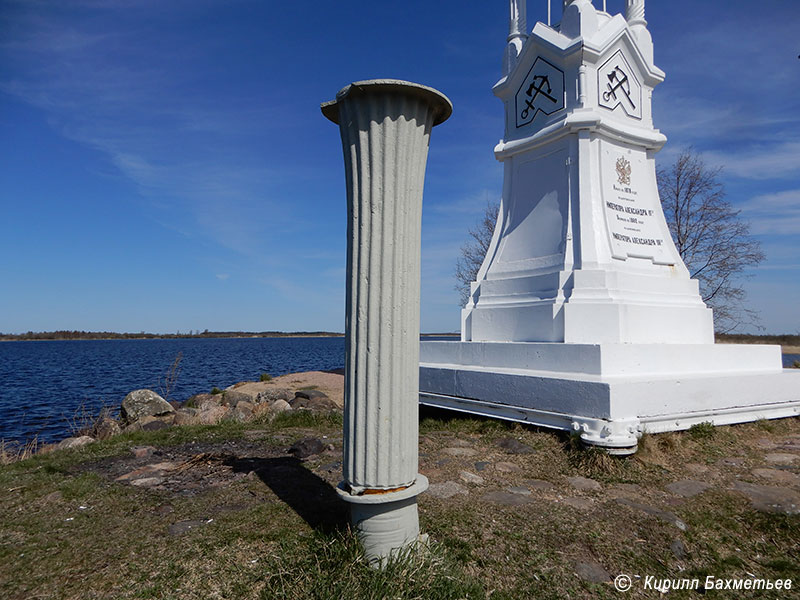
pixel 254 543
pixel 702 431
pixel 265 377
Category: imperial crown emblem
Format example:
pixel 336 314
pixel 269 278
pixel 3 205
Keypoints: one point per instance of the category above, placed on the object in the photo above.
pixel 623 171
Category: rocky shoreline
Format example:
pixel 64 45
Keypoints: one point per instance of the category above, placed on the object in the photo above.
pixel 145 410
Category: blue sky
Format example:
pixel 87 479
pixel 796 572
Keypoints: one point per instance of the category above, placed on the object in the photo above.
pixel 164 165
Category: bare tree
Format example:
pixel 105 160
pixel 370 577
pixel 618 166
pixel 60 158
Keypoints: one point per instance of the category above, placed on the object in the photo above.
pixel 473 252
pixel 712 239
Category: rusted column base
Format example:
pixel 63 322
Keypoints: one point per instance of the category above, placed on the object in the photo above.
pixel 386 524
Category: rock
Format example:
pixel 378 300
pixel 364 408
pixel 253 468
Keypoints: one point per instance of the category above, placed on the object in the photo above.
pixel 579 503
pixel 307 447
pixel 154 471
pixel 186 416
pixel 280 406
pixel 105 428
pixel 687 488
pixel 591 571
pixel 143 403
pixel 507 467
pixel 778 476
pixel 241 412
pixel 151 423
pixel 771 499
pixel 148 481
pixel 698 469
pixel 584 484
pixel 142 451
pixel 655 512
pixel 731 461
pixel 481 465
pixel 468 477
pixel 514 446
pixel 460 451
pixel 174 404
pixel 75 442
pixel 457 442
pixel 313 400
pixel 232 398
pixel 766 444
pixel 506 498
pixel 679 549
pixel 211 415
pixel 203 401
pixel 271 394
pixel 448 489
pixel 520 490
pixel 539 484
pixel 781 458
pixel 184 526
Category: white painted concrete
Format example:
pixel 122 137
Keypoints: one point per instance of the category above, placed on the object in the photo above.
pixel 583 315
pixel 385 127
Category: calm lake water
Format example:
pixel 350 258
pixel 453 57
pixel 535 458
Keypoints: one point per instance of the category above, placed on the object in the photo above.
pixel 45 383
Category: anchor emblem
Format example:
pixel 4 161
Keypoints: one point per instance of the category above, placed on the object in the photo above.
pixel 618 86
pixel 618 80
pixel 541 92
pixel 542 80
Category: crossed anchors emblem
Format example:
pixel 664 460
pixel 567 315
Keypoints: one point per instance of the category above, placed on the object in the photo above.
pixel 537 85
pixel 618 82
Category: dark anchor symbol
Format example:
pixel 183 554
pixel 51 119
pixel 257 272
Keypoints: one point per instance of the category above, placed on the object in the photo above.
pixel 618 82
pixel 542 81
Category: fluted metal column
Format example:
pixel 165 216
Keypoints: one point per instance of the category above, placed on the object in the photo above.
pixel 385 127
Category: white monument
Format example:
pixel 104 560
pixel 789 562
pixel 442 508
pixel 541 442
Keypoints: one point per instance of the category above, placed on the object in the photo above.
pixel 583 316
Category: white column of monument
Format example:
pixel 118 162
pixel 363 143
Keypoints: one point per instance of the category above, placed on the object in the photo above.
pixel 385 127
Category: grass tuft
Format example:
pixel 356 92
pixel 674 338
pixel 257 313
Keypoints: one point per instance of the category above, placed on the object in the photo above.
pixel 306 418
pixel 702 431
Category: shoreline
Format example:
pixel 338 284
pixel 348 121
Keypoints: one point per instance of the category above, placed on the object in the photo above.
pixel 233 336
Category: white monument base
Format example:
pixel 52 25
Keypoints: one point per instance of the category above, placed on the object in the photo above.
pixel 609 394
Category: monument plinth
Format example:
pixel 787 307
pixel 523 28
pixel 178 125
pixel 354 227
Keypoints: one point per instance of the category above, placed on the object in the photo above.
pixel 385 127
pixel 583 315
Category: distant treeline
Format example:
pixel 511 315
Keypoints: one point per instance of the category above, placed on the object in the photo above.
pixel 111 335
pixel 785 339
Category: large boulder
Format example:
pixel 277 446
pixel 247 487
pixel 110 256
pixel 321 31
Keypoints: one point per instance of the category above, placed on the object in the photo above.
pixel 203 401
pixel 313 400
pixel 105 428
pixel 232 398
pixel 211 415
pixel 143 403
pixel 75 442
pixel 243 411
pixel 271 394
pixel 186 416
pixel 149 423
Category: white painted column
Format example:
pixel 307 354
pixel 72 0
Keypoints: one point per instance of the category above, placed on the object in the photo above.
pixel 634 12
pixel 517 33
pixel 385 127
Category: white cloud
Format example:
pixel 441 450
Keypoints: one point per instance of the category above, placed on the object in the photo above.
pixel 762 161
pixel 777 213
